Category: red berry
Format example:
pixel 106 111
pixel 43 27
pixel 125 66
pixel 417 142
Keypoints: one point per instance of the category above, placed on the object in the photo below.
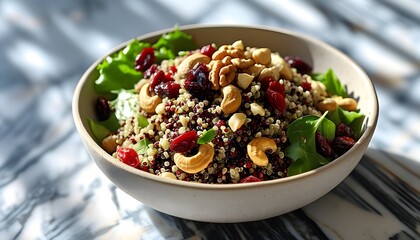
pixel 322 145
pixel 157 78
pixel 250 178
pixel 342 144
pixel 306 86
pixel 184 142
pixel 277 87
pixel 145 59
pixel 102 109
pixel 150 71
pixel 344 130
pixel 128 156
pixel 172 70
pixel 265 82
pixel 167 89
pixel 276 100
pixel 208 50
pixel 197 82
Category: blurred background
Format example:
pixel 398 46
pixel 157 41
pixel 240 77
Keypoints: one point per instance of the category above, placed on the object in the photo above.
pixel 51 189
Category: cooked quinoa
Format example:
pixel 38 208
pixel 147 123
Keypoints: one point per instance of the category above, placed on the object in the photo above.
pixel 185 112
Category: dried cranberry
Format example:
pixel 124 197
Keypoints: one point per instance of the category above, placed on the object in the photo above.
pixel 344 130
pixel 208 50
pixel 102 109
pixel 306 86
pixel 250 178
pixel 145 59
pixel 150 71
pixel 322 145
pixel 128 156
pixel 167 89
pixel 184 142
pixel 157 79
pixel 276 100
pixel 277 87
pixel 296 62
pixel 172 70
pixel 342 144
pixel 265 82
pixel 197 82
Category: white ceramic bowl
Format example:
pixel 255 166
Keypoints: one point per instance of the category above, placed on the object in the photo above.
pixel 236 202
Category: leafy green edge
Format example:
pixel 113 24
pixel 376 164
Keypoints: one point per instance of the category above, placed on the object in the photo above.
pixel 302 148
pixel 331 82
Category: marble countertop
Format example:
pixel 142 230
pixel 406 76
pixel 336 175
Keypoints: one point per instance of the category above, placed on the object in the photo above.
pixel 51 189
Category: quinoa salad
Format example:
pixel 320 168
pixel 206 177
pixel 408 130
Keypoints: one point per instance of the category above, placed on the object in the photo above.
pixel 220 114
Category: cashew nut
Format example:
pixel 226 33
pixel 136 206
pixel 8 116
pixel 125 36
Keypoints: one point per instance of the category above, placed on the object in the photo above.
pixel 232 99
pixel 348 104
pixel 109 144
pixel 148 102
pixel 140 84
pixel 236 121
pixel 168 175
pixel 262 56
pixel 257 147
pixel 189 62
pixel 196 163
pixel 328 104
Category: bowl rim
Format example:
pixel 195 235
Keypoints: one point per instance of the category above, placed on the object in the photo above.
pixel 366 136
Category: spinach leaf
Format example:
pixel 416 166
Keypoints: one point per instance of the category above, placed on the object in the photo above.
pixel 207 136
pixel 331 82
pixel 305 160
pixel 302 149
pixel 353 119
pixel 126 103
pixel 169 44
pixel 117 71
pixel 327 129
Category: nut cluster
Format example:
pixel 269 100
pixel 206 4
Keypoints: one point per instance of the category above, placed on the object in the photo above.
pixel 324 102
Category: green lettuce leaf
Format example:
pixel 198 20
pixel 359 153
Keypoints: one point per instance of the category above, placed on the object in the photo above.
pixel 117 71
pixel 169 44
